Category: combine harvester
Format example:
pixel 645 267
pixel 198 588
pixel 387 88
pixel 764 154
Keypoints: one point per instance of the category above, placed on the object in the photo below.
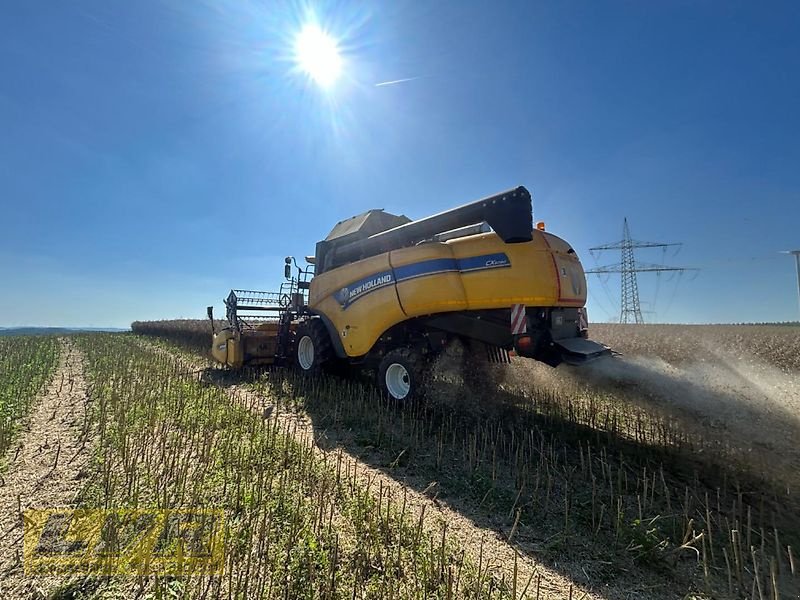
pixel 389 294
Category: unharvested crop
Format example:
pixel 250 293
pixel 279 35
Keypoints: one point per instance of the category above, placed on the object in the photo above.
pixel 193 334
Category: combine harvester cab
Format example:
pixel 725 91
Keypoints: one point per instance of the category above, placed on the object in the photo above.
pixel 389 294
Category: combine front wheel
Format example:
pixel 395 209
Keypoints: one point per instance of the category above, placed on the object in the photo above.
pixel 402 374
pixel 312 347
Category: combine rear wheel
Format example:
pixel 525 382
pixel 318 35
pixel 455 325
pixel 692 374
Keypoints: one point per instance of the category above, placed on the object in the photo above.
pixel 402 374
pixel 312 347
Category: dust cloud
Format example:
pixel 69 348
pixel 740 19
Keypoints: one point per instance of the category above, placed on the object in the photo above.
pixel 736 401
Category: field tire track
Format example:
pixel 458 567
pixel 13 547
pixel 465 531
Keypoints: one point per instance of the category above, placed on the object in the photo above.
pixel 46 468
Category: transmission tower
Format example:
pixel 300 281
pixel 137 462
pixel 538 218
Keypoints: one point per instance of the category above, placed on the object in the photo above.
pixel 628 267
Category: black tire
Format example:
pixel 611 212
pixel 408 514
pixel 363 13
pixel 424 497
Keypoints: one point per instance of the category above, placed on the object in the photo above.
pixel 312 347
pixel 403 374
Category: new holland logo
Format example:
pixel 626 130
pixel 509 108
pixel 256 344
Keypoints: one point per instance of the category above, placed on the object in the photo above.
pixel 342 295
pixel 349 294
pixel 436 266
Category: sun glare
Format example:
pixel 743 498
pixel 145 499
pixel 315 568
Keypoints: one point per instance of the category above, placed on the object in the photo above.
pixel 317 54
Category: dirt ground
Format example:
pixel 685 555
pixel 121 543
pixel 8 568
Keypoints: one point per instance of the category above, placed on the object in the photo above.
pixel 47 469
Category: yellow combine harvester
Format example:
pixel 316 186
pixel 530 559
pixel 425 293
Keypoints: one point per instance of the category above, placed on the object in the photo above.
pixel 387 293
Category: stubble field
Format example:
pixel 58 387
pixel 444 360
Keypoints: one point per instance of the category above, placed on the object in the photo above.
pixel 669 472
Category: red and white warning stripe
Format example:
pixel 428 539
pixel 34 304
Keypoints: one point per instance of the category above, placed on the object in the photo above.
pixel 519 324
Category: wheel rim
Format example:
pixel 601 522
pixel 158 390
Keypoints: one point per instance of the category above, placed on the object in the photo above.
pixel 305 353
pixel 398 381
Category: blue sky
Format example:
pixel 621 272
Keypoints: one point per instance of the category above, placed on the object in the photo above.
pixel 155 154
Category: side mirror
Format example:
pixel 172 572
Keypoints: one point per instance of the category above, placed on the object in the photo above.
pixel 287 271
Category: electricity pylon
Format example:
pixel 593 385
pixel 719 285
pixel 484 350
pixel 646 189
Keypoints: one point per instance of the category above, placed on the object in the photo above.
pixel 628 267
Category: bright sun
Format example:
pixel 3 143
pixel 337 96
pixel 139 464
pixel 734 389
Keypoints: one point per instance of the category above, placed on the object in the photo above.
pixel 318 55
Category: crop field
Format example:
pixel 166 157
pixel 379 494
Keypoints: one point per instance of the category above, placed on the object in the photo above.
pixel 669 472
pixel 737 388
pixel 25 365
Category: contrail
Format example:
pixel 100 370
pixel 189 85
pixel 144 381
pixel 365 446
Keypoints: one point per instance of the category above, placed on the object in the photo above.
pixel 384 83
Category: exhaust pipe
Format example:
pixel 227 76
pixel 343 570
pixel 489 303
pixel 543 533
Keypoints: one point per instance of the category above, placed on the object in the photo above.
pixel 210 313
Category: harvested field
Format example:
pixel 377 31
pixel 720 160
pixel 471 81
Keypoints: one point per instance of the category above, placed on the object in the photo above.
pixel 48 468
pixel 735 385
pixel 474 450
pixel 26 364
pixel 602 482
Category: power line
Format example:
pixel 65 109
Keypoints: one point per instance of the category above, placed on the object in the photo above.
pixel 796 254
pixel 600 305
pixel 628 267
pixel 603 282
pixel 674 293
